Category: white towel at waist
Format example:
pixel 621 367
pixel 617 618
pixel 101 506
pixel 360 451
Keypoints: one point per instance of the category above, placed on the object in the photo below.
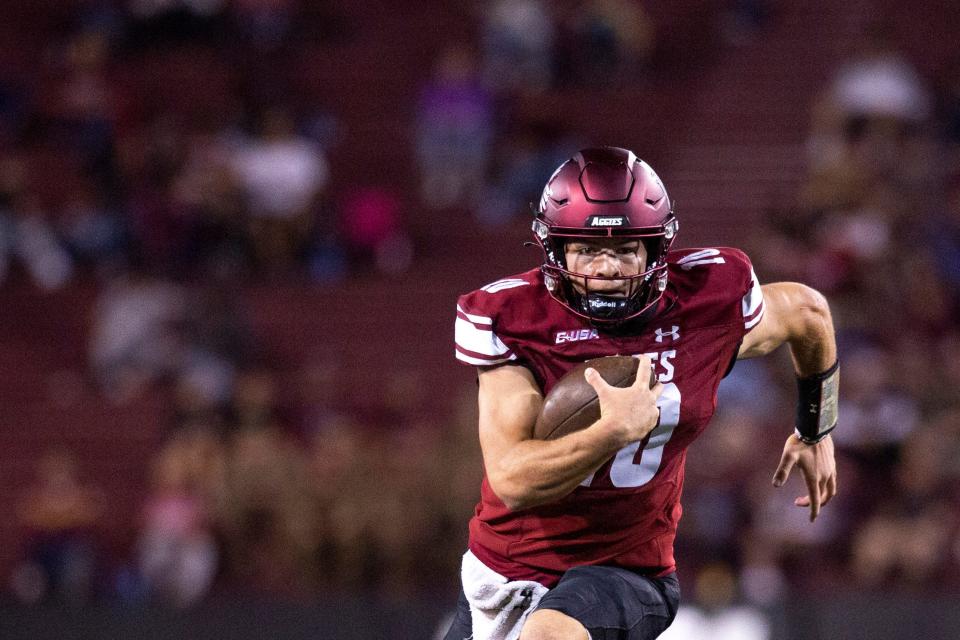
pixel 498 606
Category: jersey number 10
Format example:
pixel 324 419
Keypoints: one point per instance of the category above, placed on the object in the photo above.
pixel 633 467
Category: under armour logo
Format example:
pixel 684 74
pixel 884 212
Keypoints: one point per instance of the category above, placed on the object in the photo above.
pixel 674 333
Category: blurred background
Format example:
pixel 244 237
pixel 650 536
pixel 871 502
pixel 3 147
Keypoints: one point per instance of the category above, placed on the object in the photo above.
pixel 232 233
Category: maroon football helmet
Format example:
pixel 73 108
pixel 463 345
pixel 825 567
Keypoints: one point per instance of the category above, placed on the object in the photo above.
pixel 605 192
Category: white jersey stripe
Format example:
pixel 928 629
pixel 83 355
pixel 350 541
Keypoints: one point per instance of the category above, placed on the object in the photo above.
pixel 478 356
pixel 502 281
pixel 474 318
pixel 483 326
pixel 697 255
pixel 484 342
pixel 754 297
pixel 686 266
pixel 505 284
pixel 749 324
pixel 481 363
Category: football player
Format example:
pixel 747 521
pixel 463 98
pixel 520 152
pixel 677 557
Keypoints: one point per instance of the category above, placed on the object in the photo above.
pixel 573 537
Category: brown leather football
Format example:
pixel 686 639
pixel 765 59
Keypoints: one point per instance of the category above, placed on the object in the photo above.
pixel 573 405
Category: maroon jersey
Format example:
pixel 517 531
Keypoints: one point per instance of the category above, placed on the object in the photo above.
pixel 626 513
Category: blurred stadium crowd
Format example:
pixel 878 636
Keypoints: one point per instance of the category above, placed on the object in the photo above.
pixel 150 148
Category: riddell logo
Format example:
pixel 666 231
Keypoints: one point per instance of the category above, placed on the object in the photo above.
pixel 601 221
pixel 576 335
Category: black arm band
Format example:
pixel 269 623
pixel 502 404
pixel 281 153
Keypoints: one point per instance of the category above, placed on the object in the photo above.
pixel 817 404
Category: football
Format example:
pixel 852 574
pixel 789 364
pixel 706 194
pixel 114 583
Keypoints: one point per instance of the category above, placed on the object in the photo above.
pixel 573 405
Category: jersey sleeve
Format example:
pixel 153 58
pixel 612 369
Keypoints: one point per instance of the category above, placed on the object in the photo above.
pixel 475 336
pixel 752 303
pixel 751 295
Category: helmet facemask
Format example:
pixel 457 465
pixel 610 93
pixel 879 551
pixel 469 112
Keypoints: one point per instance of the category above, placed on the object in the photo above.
pixel 643 289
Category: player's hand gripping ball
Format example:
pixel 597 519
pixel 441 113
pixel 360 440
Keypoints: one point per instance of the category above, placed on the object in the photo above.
pixel 573 405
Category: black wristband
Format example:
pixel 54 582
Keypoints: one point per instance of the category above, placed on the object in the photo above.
pixel 817 404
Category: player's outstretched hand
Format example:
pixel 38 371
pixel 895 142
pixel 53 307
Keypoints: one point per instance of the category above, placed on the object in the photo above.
pixel 818 467
pixel 631 412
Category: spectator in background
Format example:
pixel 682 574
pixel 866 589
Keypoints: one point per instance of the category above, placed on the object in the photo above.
pixel 880 83
pixel 59 516
pixel 283 176
pixel 255 404
pixel 216 344
pixel 869 130
pixel 92 231
pixel 878 416
pixel 607 42
pixel 178 555
pixel 148 330
pixel 372 229
pixel 908 534
pixel 317 394
pixel 150 160
pixel 518 41
pixel 454 131
pixel 27 233
pixel 929 303
pixel 206 198
pixel 269 511
pixel 137 336
pixel 82 105
pixel 398 514
pixel 717 505
pixel 341 455
pixel 526 155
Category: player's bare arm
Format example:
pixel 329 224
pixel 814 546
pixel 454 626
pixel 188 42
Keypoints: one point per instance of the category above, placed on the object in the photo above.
pixel 524 472
pixel 800 317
